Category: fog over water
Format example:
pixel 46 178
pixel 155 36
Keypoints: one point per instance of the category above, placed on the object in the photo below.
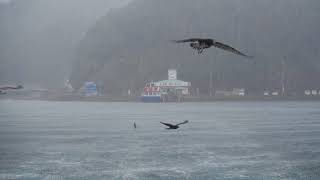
pixel 260 120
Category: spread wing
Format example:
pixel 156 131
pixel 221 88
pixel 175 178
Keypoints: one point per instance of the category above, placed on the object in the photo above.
pixel 167 124
pixel 229 48
pixel 11 87
pixel 184 122
pixel 186 40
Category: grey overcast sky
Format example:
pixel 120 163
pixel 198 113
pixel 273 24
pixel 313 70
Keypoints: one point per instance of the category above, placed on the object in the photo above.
pixel 4 1
pixel 54 28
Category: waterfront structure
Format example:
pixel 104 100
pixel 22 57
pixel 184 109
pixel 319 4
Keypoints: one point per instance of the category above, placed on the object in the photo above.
pixel 171 89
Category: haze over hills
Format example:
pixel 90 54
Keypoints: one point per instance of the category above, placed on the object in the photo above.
pixel 39 37
pixel 130 46
pixel 43 41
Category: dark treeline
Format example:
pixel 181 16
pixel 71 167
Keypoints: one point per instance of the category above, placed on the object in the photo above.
pixel 130 46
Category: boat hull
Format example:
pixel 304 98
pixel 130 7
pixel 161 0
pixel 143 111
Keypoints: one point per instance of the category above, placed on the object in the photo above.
pixel 152 99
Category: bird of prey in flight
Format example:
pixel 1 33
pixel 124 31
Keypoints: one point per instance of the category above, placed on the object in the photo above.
pixel 4 88
pixel 172 126
pixel 201 44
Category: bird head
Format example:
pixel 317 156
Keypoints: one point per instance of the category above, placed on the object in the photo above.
pixel 19 87
pixel 194 45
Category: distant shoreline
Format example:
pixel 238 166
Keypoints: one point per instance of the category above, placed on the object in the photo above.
pixel 185 99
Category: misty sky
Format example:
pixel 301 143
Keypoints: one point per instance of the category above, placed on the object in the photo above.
pixel 4 1
pixel 42 35
pixel 267 30
pixel 40 38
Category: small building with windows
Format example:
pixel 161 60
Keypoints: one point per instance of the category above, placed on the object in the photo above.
pixel 177 86
pixel 171 89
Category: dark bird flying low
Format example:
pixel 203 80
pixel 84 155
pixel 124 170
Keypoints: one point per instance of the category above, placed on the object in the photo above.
pixel 10 87
pixel 174 126
pixel 201 44
pixel 4 88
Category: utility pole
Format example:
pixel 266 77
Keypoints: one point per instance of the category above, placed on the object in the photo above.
pixel 283 76
pixel 212 87
pixel 211 84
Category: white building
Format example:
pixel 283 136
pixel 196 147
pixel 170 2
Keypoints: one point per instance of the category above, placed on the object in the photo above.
pixel 173 84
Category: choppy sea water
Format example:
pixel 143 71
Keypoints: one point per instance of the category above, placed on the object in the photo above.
pixel 223 140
